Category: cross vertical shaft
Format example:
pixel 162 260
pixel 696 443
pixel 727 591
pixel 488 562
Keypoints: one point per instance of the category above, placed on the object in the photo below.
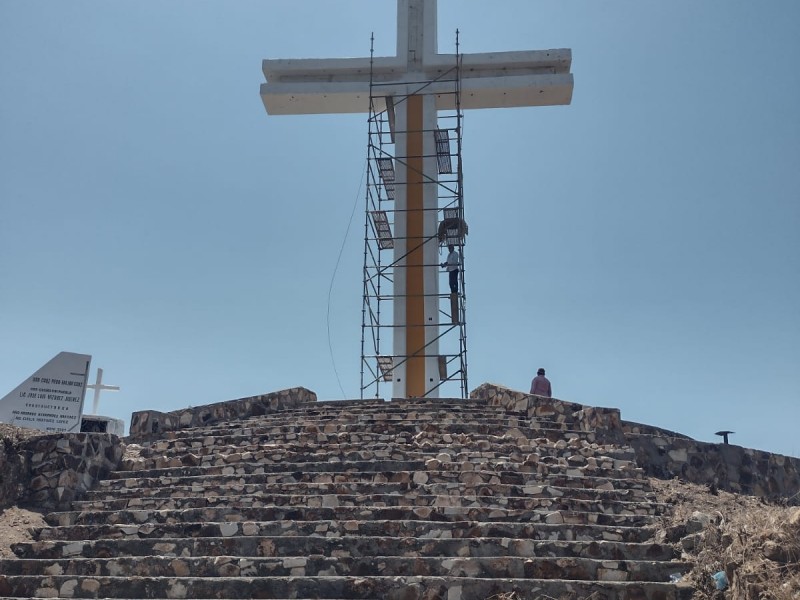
pixel 415 286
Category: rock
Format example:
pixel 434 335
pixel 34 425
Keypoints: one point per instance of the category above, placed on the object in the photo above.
pixel 775 552
pixel 675 533
pixel 420 478
pixel 250 528
pixel 180 568
pixel 697 522
pixel 90 585
pixel 679 455
pixel 604 574
pixel 554 518
pixel 794 517
pixel 692 542
pixel 330 501
pixel 190 460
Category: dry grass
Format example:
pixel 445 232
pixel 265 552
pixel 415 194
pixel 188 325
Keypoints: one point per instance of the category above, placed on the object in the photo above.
pixel 756 544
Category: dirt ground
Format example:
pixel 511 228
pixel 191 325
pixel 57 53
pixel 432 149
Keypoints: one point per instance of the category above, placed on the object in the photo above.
pixel 14 525
pixel 14 521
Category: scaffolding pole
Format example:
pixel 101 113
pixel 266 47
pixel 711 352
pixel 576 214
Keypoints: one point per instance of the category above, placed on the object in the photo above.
pixel 380 269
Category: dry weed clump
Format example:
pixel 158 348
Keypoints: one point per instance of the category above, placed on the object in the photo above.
pixel 756 544
pixel 764 553
pixel 13 435
pixel 516 596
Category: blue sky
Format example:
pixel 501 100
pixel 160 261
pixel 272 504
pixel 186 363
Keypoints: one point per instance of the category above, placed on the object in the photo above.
pixel 641 244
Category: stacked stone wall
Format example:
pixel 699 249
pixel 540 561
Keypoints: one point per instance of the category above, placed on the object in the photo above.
pixel 12 473
pixel 665 454
pixel 639 428
pixel 49 471
pixel 604 421
pixel 154 422
pixel 722 466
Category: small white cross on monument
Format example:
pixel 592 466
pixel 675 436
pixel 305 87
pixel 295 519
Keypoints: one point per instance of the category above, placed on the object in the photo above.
pixel 342 85
pixel 98 386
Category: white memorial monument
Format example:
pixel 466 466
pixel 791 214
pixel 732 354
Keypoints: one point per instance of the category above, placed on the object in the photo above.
pixel 489 80
pixel 52 398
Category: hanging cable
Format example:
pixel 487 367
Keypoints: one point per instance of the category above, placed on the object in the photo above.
pixel 333 278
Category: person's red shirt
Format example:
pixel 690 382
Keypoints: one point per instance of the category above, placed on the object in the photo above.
pixel 541 386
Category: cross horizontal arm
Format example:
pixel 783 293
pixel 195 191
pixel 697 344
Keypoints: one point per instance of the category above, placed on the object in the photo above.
pixel 282 70
pixel 103 386
pixel 324 85
pixel 488 80
pixel 517 61
pixel 483 92
pixel 511 91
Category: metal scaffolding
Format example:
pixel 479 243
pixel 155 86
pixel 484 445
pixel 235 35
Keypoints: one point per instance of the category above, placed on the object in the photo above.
pixel 380 265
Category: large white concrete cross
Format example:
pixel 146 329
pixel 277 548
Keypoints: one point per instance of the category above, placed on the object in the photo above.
pixel 342 85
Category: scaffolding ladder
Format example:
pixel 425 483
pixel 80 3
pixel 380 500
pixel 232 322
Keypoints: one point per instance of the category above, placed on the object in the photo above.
pixel 377 361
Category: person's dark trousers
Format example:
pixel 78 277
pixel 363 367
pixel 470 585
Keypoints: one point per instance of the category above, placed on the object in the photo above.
pixel 454 281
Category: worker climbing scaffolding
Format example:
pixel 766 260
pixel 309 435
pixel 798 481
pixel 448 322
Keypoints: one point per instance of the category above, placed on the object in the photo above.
pixel 453 266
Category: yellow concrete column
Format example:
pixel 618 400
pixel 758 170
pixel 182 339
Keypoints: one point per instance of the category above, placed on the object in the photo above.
pixel 415 288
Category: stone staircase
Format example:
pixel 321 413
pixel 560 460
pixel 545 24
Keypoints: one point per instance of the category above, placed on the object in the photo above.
pixel 403 500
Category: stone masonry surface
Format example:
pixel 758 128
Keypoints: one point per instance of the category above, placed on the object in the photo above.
pixel 280 496
pixel 152 421
pixel 664 454
pixel 411 499
pixel 51 470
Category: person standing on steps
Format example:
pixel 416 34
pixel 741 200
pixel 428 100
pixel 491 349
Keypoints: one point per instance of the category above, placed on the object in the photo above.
pixel 541 385
pixel 453 263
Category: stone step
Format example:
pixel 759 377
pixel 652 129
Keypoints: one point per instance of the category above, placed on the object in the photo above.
pixel 152 488
pixel 353 514
pixel 295 428
pixel 110 538
pixel 470 482
pixel 257 501
pixel 406 421
pixel 485 421
pixel 507 472
pixel 325 537
pixel 350 408
pixel 219 455
pixel 390 413
pixel 456 446
pixel 388 588
pixel 244 463
pixel 154 598
pixel 415 498
pixel 399 411
pixel 262 462
pixel 391 410
pixel 394 403
pixel 315 565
